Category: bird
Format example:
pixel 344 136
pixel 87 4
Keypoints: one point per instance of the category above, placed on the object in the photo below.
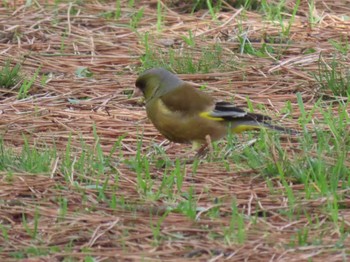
pixel 183 113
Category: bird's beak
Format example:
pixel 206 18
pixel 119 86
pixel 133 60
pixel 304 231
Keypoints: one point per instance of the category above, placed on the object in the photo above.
pixel 137 92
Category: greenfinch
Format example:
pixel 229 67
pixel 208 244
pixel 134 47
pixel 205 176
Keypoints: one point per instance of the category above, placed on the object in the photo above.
pixel 184 114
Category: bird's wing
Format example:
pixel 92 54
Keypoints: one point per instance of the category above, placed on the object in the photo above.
pixel 187 99
pixel 228 112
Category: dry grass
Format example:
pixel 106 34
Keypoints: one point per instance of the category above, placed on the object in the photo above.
pixel 59 42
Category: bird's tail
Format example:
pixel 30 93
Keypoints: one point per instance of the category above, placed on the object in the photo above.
pixel 281 129
pixel 241 126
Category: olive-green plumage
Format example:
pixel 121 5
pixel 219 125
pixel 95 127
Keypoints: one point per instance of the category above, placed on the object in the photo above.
pixel 184 114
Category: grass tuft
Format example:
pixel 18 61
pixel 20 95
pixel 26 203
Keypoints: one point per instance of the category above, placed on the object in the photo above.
pixel 10 75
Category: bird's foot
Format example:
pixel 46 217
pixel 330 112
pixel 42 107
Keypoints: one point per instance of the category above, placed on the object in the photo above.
pixel 206 148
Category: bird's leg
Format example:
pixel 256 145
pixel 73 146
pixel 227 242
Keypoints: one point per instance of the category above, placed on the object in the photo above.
pixel 210 145
pixel 202 151
pixel 196 147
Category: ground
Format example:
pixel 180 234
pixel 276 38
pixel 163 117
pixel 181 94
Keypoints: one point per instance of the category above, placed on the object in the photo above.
pixel 86 177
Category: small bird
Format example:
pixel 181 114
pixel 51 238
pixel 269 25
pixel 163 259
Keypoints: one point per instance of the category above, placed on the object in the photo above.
pixel 184 114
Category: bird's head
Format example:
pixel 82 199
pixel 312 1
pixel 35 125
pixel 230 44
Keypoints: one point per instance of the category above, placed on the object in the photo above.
pixel 156 82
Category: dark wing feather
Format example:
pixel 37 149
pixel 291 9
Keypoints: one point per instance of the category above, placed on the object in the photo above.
pixel 228 112
pixel 187 99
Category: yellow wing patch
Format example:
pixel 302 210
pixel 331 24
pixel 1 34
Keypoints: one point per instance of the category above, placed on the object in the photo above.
pixel 207 116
